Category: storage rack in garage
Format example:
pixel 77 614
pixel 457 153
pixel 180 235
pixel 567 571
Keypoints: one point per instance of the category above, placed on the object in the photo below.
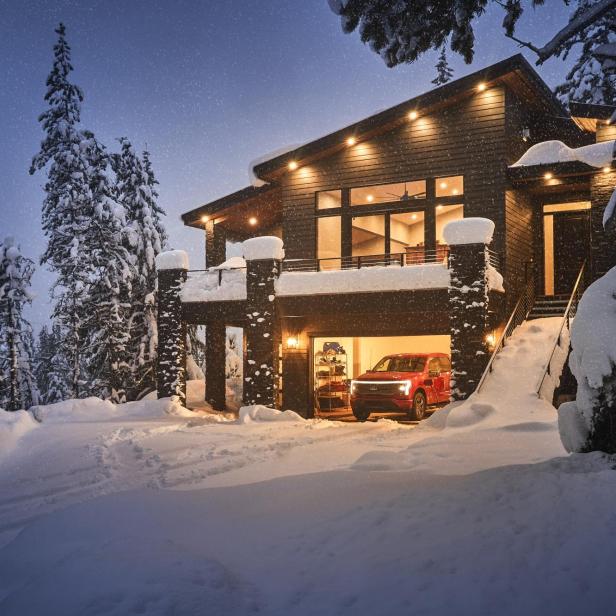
pixel 331 371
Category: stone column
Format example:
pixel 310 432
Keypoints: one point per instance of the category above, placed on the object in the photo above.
pixel 172 270
pixel 263 266
pixel 215 364
pixel 468 302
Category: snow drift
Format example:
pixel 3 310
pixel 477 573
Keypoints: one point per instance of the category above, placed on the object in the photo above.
pixel 550 152
pixel 14 425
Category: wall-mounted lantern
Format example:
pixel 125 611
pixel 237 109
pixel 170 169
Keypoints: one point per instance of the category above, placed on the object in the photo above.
pixel 293 342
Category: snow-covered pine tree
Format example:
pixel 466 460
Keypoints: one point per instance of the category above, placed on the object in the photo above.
pixel 51 372
pixel 145 238
pixel 18 389
pixel 443 70
pixel 105 355
pixel 66 207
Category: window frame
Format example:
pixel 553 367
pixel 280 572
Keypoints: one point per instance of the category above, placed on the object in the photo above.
pixel 426 205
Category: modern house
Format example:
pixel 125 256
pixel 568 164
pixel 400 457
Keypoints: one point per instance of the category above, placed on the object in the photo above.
pixel 367 261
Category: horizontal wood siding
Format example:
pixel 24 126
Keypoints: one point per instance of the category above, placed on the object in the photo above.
pixel 467 138
pixel 522 222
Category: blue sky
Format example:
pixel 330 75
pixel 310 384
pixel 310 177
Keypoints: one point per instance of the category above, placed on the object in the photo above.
pixel 208 85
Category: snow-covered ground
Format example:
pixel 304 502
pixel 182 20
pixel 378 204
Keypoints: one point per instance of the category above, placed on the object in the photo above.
pixel 153 509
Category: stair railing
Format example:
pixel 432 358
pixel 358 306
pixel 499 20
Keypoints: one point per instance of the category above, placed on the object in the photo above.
pixel 518 315
pixel 565 326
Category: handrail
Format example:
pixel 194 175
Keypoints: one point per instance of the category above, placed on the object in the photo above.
pixel 522 306
pixel 571 307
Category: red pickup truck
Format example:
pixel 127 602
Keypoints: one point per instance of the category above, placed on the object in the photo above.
pixel 407 382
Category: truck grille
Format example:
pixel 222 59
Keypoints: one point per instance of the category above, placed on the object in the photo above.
pixel 377 389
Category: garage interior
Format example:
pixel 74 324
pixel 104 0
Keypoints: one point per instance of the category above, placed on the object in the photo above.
pixel 338 359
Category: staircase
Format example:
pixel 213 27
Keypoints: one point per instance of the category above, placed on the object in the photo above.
pixel 549 306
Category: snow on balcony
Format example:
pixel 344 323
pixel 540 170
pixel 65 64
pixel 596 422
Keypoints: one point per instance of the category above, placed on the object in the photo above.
pixel 364 280
pixel 215 285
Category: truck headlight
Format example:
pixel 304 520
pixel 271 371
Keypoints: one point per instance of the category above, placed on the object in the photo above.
pixel 405 387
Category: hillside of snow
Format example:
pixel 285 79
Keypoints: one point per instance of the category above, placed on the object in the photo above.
pixel 152 509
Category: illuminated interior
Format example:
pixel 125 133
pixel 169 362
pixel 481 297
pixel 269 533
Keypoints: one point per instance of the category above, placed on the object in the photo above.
pixel 389 193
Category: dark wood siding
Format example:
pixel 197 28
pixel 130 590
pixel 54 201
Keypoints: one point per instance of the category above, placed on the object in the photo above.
pixel 522 226
pixel 603 243
pixel 467 138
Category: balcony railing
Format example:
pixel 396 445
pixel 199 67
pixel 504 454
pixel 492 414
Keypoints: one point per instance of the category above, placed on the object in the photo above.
pixel 412 256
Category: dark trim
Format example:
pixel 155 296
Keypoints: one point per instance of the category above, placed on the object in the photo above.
pixel 589 110
pixel 438 97
pixel 533 172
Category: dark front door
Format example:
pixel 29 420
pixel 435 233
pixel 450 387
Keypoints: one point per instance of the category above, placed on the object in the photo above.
pixel 571 238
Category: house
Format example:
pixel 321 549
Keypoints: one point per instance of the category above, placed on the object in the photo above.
pixel 386 246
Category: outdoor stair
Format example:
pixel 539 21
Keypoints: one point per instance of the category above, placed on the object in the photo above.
pixel 549 306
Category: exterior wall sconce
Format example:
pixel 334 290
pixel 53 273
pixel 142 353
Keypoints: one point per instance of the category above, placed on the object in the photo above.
pixel 292 342
pixel 490 341
pixel 481 87
pixel 293 165
pixel 525 134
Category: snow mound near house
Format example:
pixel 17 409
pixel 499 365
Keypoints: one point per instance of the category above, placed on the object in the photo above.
pixel 263 247
pixel 14 425
pixel 258 412
pixel 172 259
pixel 592 359
pixel 95 409
pixel 549 152
pixel 469 231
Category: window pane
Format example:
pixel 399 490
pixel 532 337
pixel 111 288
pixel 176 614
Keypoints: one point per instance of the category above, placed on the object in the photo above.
pixel 368 235
pixel 408 236
pixel 329 198
pixel 444 215
pixel 329 241
pixel 450 186
pixel 387 193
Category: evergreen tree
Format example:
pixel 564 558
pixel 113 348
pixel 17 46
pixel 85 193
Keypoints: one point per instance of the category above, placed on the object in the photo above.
pixel 443 70
pixel 145 238
pixel 52 373
pixel 66 207
pixel 18 388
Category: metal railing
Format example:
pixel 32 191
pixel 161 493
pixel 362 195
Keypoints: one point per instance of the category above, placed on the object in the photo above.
pixel 565 326
pixel 518 316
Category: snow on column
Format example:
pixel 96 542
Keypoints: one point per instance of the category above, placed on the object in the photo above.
pixel 468 300
pixel 263 265
pixel 171 365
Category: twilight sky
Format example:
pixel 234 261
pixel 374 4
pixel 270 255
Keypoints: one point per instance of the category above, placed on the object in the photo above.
pixel 209 84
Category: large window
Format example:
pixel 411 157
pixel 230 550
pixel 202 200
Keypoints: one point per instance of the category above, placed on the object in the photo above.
pixel 407 235
pixel 401 192
pixel 368 235
pixel 329 241
pixel 451 186
pixel 446 214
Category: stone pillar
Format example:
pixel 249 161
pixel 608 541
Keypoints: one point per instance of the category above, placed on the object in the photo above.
pixel 171 364
pixel 263 266
pixel 215 244
pixel 468 302
pixel 215 364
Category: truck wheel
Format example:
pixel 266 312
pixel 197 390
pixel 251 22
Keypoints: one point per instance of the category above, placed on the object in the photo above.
pixel 418 412
pixel 360 413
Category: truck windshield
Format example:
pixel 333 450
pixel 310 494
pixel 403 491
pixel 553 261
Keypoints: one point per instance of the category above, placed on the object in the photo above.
pixel 401 364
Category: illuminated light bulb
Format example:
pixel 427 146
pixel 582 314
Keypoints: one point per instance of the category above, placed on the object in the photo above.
pixel 413 115
pixel 370 198
pixel 252 221
pixel 455 191
pixel 490 340
pixel 548 176
pixel 204 218
pixel 292 342
pixel 293 165
pixel 414 216
pixel 443 185
pixel 481 87
pixel 351 141
pixel 606 169
pixel 439 207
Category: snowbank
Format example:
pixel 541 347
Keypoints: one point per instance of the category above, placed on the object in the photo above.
pixel 258 412
pixel 231 263
pixel 172 259
pixel 549 152
pixel 204 287
pixel 95 409
pixel 495 279
pixel 14 425
pixel 468 231
pixel 264 247
pixel 593 356
pixel 367 279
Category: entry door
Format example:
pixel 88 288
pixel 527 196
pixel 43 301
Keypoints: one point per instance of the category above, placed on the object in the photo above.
pixel 571 237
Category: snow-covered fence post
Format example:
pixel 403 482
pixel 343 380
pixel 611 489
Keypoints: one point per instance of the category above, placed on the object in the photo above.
pixel 468 302
pixel 172 269
pixel 263 266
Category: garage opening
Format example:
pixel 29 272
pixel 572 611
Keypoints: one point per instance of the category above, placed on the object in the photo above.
pixel 421 365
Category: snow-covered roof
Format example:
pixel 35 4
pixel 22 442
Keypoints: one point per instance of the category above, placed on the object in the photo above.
pixel 551 152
